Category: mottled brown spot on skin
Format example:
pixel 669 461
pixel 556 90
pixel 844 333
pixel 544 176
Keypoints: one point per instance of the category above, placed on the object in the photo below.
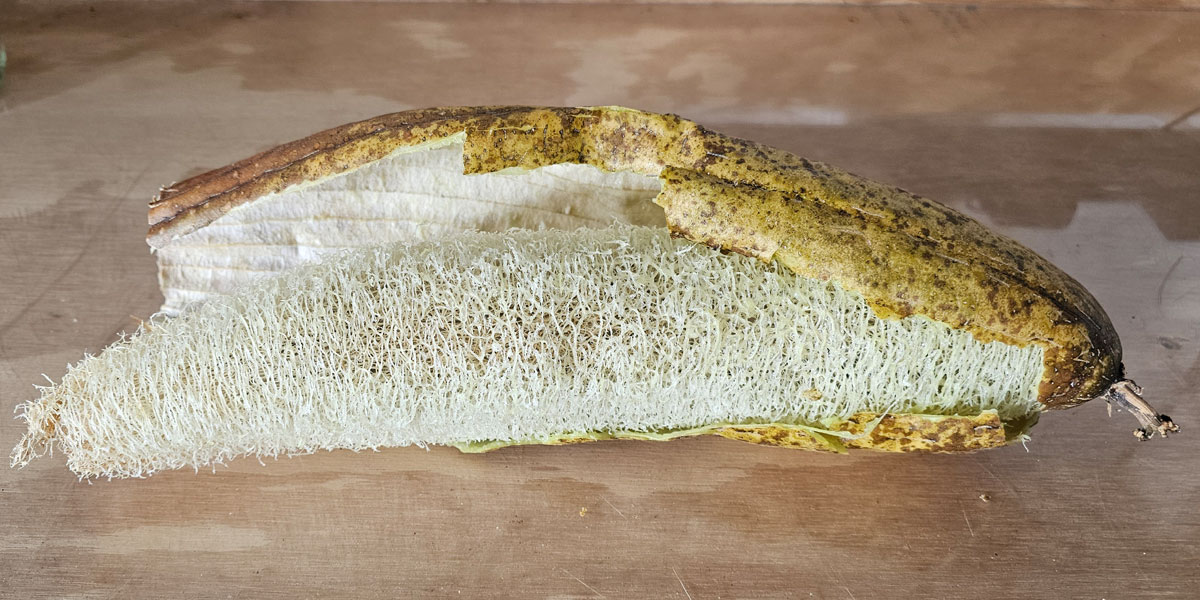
pixel 909 255
pixel 909 433
pixel 893 433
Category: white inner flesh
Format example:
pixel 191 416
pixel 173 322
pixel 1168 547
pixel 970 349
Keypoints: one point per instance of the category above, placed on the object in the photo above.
pixel 511 337
pixel 416 194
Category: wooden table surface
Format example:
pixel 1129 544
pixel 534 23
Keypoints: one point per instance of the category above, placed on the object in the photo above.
pixel 1073 131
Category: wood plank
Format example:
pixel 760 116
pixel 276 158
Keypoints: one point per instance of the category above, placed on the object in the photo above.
pixel 101 108
pixel 767 64
pixel 1084 4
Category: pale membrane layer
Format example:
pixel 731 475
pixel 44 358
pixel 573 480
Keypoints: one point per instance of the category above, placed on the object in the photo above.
pixel 419 193
pixel 513 336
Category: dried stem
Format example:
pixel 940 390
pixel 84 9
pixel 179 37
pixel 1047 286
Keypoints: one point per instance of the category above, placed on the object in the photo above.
pixel 1128 395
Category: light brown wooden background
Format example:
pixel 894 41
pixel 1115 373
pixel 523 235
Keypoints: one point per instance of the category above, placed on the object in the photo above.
pixel 1072 130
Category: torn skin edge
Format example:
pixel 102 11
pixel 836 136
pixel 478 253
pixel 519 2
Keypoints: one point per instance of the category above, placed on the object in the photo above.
pixel 827 438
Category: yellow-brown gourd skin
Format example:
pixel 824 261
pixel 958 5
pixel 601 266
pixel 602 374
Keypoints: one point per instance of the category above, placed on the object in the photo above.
pixel 905 254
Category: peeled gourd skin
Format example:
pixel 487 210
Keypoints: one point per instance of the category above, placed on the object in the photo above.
pixel 903 260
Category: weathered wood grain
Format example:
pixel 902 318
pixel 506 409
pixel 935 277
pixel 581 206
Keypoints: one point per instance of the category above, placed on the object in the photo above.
pixel 773 65
pixel 99 109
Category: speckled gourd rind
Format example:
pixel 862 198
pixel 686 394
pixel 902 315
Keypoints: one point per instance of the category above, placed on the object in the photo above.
pixel 904 254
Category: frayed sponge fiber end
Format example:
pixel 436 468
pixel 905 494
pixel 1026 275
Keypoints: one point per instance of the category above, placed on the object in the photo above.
pixel 509 336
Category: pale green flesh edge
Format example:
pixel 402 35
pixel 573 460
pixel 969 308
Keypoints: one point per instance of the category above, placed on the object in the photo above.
pixel 825 433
